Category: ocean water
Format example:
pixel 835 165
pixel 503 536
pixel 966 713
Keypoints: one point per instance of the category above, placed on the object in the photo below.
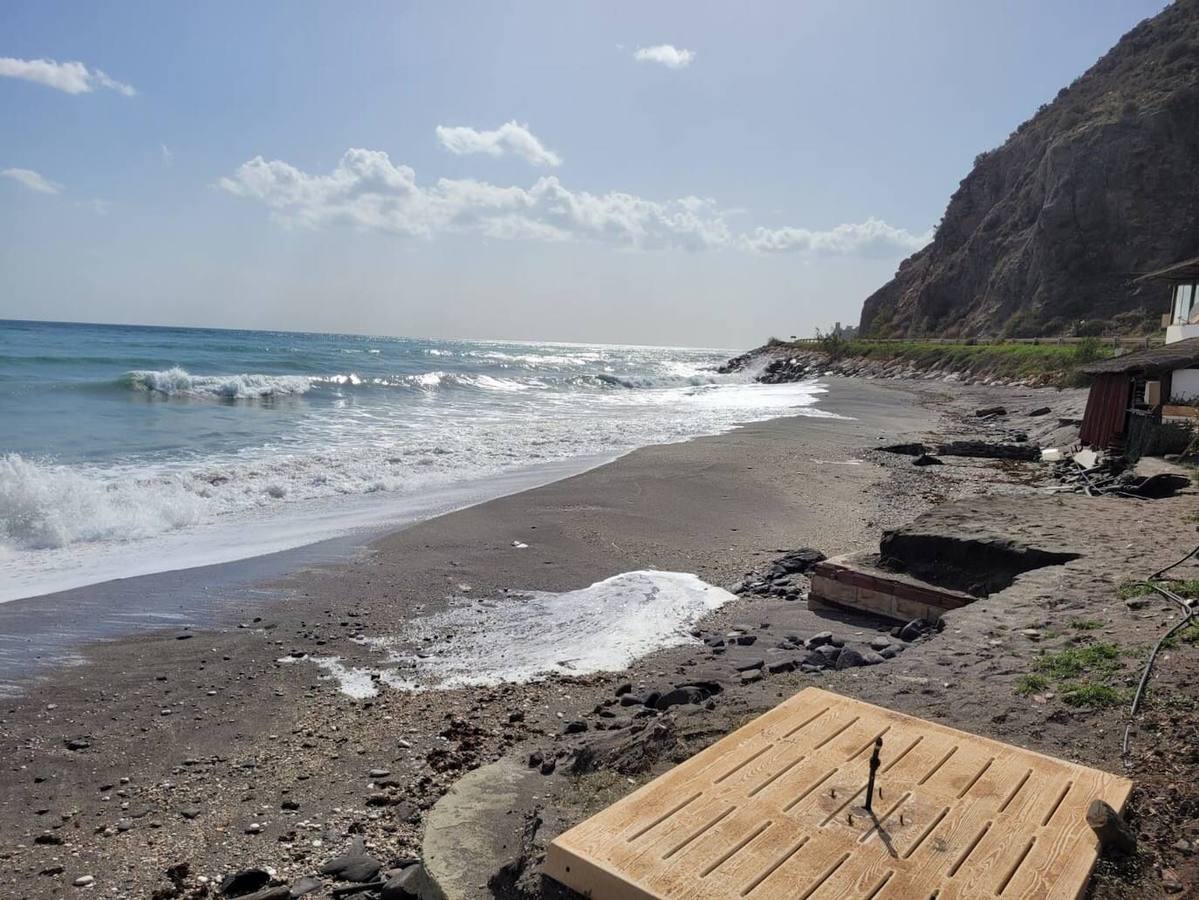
pixel 126 450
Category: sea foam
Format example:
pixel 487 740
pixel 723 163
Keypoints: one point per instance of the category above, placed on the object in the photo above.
pixel 529 635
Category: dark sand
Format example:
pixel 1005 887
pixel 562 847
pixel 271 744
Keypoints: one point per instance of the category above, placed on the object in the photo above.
pixel 210 752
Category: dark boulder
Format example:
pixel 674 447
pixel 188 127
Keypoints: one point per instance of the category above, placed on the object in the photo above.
pixel 355 865
pixel 849 658
pixel 681 695
pixel 828 653
pixel 796 562
pixel 781 663
pixel 410 883
pixel 914 630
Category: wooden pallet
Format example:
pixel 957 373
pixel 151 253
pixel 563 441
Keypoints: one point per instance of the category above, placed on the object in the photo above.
pixel 774 810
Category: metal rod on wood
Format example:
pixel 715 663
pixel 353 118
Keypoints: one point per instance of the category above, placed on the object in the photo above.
pixel 874 762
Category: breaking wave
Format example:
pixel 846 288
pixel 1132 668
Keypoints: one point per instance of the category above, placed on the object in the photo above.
pixel 178 382
pixel 634 382
pixel 45 507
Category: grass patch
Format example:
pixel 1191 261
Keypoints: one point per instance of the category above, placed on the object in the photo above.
pixel 1027 685
pixel 1187 588
pixel 1188 635
pixel 1080 675
pixel 1074 661
pixel 1130 589
pixel 1090 696
pixel 1183 588
pixel 1085 624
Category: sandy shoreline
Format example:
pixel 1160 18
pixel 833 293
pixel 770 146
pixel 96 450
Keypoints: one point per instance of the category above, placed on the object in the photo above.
pixel 199 747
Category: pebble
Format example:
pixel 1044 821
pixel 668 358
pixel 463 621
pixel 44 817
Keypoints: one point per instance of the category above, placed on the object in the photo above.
pixel 1171 882
pixel 83 880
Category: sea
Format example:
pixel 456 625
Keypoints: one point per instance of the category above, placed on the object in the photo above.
pixel 127 450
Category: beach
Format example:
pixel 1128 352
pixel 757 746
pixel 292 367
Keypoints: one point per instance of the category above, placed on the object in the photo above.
pixel 231 743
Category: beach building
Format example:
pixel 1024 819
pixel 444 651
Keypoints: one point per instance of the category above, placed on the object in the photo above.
pixel 1132 394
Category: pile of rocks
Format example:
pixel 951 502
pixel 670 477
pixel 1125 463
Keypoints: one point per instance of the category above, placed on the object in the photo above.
pixel 785 577
pixel 801 364
pixel 354 873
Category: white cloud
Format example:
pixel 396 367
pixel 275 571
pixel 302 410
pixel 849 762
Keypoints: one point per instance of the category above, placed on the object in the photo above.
pixel 71 77
pixel 368 191
pixel 666 55
pixel 510 137
pixel 872 237
pixel 33 180
pixel 168 155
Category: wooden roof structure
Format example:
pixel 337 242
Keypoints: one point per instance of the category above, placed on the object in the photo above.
pixel 1152 361
pixel 777 809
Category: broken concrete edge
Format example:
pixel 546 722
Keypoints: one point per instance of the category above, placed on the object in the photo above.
pixel 852 582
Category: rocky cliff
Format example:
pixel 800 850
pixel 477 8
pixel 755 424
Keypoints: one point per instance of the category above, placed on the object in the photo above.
pixel 1046 233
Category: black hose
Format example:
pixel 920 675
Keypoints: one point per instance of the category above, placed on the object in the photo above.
pixel 1186 620
pixel 1156 575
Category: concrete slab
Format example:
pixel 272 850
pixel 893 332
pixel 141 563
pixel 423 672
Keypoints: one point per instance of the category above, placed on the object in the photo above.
pixel 479 818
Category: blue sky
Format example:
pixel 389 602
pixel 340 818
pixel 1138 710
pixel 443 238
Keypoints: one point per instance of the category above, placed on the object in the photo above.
pixel 756 169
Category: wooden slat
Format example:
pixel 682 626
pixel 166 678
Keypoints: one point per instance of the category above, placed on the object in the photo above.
pixel 776 809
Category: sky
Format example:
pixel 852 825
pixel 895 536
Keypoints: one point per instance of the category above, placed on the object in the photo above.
pixel 685 173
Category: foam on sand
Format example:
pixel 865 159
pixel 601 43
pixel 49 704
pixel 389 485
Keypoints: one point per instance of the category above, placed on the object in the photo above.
pixel 520 637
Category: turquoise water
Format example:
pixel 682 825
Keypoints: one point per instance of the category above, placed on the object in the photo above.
pixel 127 449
